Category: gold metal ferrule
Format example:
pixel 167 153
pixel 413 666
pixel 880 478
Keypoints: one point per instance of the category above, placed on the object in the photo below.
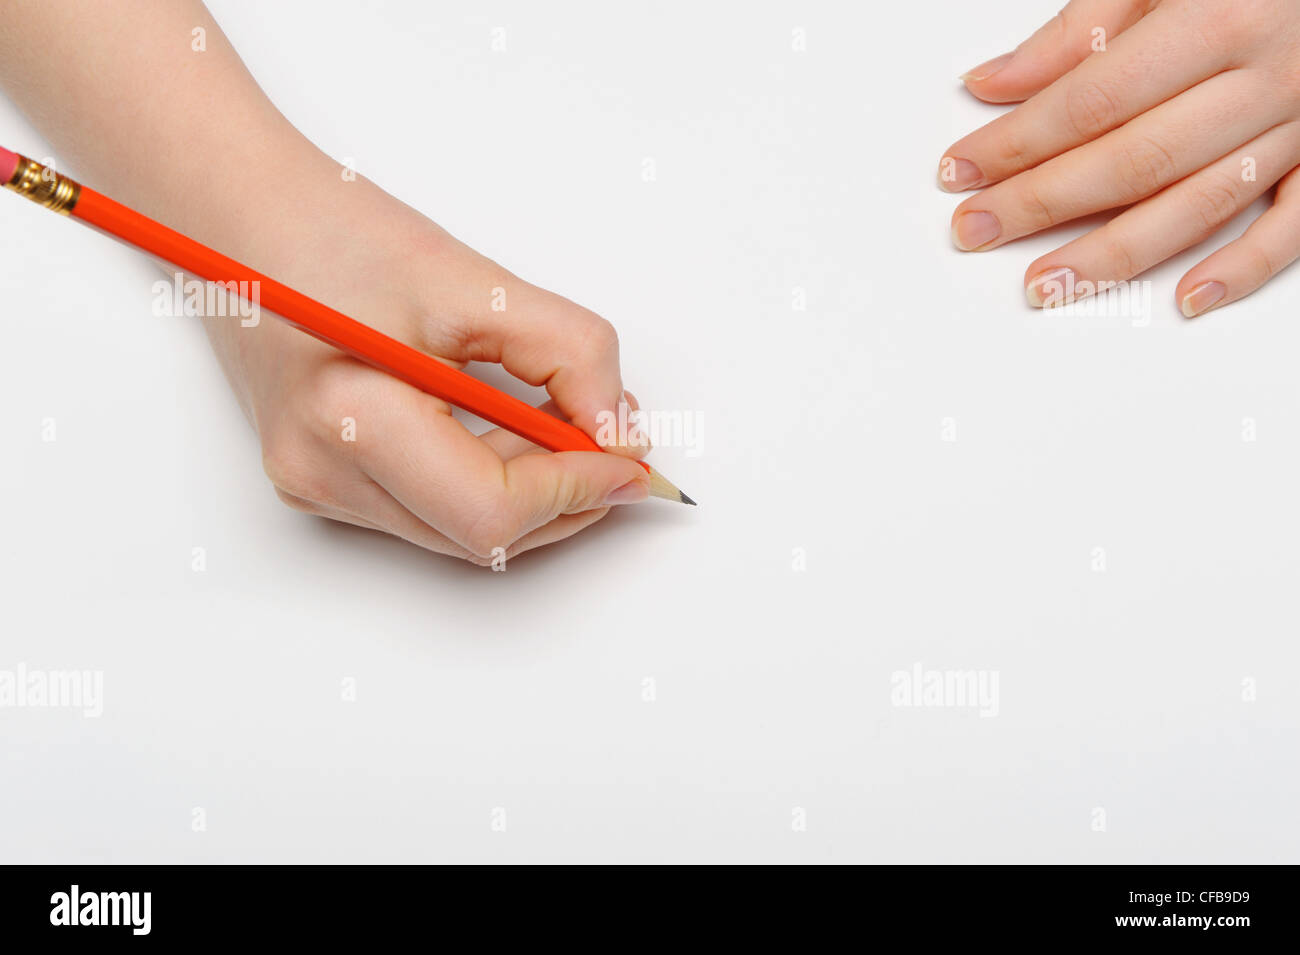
pixel 44 186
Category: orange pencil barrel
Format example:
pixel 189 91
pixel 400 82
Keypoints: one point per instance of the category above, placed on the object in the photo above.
pixel 67 197
pixel 333 327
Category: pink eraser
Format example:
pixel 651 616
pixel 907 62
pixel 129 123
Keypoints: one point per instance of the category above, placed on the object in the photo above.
pixel 8 163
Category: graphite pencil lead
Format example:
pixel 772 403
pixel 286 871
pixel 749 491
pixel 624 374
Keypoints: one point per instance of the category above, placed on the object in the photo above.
pixel 660 486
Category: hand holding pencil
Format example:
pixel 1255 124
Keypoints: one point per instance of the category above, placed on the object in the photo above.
pixel 404 297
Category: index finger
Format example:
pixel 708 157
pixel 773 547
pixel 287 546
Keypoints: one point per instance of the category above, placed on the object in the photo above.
pixel 1146 65
pixel 1055 48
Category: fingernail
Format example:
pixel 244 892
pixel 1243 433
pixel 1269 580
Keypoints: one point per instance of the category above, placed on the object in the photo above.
pixel 1203 298
pixel 957 175
pixel 985 70
pixel 629 493
pixel 974 229
pixel 1051 288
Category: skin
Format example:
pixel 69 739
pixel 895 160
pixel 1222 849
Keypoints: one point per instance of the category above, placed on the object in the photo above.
pixel 1186 102
pixel 141 116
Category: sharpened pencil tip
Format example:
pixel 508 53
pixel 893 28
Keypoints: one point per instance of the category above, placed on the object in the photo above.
pixel 660 486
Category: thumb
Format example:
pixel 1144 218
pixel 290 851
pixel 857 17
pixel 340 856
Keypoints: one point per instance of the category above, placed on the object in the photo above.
pixel 1084 27
pixel 544 486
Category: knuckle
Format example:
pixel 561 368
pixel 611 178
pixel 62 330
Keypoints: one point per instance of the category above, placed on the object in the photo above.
pixel 1058 28
pixel 1117 252
pixel 1090 110
pixel 488 531
pixel 1218 35
pixel 1215 201
pixel 278 461
pixel 1262 265
pixel 296 503
pixel 286 463
pixel 599 337
pixel 572 496
pixel 1036 210
pixel 1010 151
pixel 330 396
pixel 1145 167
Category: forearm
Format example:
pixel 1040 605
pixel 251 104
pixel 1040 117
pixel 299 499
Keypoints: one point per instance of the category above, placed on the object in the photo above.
pixel 183 135
pixel 187 137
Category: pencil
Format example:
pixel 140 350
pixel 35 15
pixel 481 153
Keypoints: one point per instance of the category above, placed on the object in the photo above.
pixel 67 197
